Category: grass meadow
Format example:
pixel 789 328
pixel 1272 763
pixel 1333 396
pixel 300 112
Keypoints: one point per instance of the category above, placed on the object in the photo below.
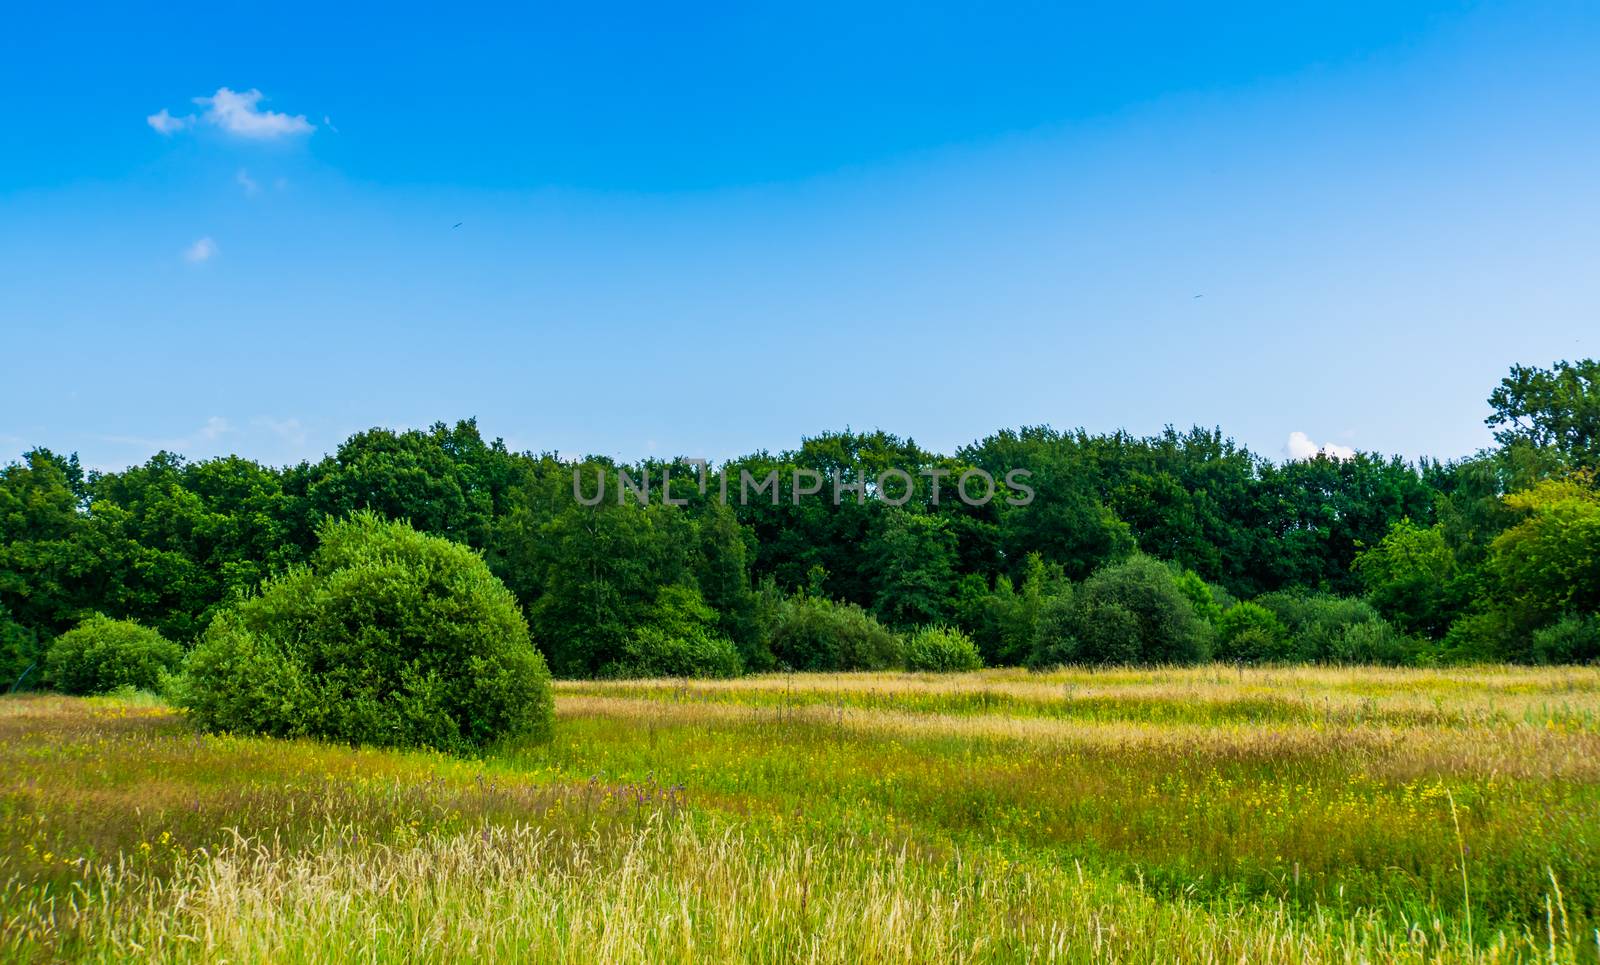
pixel 1205 814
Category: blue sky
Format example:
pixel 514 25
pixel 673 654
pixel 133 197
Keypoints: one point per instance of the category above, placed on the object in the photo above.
pixel 706 231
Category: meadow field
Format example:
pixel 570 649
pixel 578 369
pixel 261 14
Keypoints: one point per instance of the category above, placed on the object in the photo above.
pixel 1200 814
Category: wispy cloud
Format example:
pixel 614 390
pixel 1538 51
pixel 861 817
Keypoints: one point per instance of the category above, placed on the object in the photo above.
pixel 201 251
pixel 164 123
pixel 236 112
pixel 213 429
pixel 291 431
pixel 249 184
pixel 1301 447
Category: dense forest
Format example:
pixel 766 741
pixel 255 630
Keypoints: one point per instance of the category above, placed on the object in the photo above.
pixel 1172 548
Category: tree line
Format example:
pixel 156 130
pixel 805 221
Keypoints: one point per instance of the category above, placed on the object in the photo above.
pixel 1175 547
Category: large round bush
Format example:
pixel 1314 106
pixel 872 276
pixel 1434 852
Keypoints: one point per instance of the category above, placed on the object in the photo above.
pixel 1127 613
pixel 387 637
pixel 940 649
pixel 814 633
pixel 100 655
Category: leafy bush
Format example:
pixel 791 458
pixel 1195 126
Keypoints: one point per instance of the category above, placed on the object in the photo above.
pixel 387 637
pixel 1131 612
pixel 1377 642
pixel 940 649
pixel 100 655
pixel 815 633
pixel 1251 633
pixel 679 641
pixel 1324 628
pixel 1572 639
pixel 1482 635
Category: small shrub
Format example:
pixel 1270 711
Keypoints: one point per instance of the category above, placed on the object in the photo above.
pixel 100 655
pixel 939 649
pixel 1572 639
pixel 815 633
pixel 1251 633
pixel 388 637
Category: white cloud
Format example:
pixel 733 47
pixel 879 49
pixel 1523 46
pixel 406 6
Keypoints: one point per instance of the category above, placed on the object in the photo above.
pixel 247 182
pixel 164 123
pixel 1301 447
pixel 237 112
pixel 201 251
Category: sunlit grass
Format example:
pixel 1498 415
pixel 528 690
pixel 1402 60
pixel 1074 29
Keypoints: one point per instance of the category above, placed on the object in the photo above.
pixel 1210 814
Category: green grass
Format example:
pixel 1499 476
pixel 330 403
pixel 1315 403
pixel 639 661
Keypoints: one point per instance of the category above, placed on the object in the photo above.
pixel 1194 815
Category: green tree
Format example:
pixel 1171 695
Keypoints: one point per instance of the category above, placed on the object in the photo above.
pixel 49 574
pixel 1412 578
pixel 1548 564
pixel 1556 408
pixel 913 563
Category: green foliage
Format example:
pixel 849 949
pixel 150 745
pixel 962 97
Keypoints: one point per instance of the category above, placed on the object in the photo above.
pixel 1324 628
pixel 1549 562
pixel 1200 596
pixel 1556 408
pixel 604 569
pixel 1440 550
pixel 1250 633
pixel 49 567
pixel 913 561
pixel 815 633
pixel 1413 578
pixel 1127 613
pixel 1003 622
pixel 20 655
pixel 388 637
pixel 941 649
pixel 1572 639
pixel 1055 640
pixel 681 640
pixel 100 655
